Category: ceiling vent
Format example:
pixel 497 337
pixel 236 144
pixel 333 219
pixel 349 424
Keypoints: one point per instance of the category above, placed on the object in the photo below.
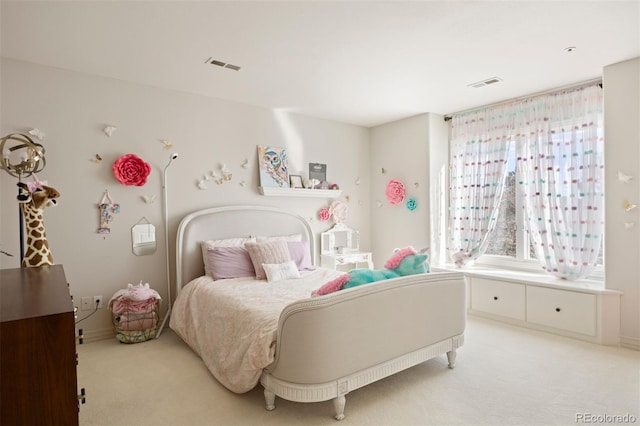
pixel 221 64
pixel 486 82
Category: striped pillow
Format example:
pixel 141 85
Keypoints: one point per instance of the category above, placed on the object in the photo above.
pixel 271 252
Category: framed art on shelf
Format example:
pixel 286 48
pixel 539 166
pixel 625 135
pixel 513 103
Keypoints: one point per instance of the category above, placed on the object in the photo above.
pixel 295 181
pixel 317 174
pixel 272 163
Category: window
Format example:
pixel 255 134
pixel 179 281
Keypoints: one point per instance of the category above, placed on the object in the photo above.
pixel 527 184
pixel 503 240
pixel 509 244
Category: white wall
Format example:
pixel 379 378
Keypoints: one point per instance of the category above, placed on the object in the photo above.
pixel 622 153
pixel 413 151
pixel 438 187
pixel 72 109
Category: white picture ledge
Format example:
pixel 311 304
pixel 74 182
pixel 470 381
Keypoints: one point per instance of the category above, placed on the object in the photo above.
pixel 299 192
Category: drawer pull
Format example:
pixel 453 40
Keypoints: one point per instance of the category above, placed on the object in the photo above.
pixel 495 297
pixel 82 397
pixel 558 309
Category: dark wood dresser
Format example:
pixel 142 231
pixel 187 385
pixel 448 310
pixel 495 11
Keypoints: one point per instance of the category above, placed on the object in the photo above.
pixel 38 349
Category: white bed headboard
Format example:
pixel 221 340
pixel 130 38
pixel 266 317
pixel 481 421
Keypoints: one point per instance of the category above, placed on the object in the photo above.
pixel 227 222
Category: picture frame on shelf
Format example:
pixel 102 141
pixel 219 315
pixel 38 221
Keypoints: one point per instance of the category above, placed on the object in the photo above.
pixel 295 181
pixel 317 174
pixel 272 163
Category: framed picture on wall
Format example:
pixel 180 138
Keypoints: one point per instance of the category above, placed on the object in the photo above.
pixel 272 163
pixel 295 181
pixel 317 174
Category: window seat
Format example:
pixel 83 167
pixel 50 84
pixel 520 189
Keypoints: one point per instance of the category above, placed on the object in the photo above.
pixel 541 279
pixel 581 309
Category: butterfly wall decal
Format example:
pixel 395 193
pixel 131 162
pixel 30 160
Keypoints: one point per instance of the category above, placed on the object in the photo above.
pixel 148 198
pixel 628 206
pixel 629 225
pixel 226 173
pixel 97 159
pixel 37 133
pixel 245 163
pixel 167 144
pixel 108 130
pixel 624 177
pixel 202 184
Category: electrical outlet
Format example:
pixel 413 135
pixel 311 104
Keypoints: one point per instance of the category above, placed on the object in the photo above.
pixel 97 302
pixel 86 303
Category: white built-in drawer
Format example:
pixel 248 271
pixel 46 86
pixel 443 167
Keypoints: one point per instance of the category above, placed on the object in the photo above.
pixel 498 298
pixel 566 310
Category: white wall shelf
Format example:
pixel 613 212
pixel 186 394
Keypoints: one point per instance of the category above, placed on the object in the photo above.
pixel 299 192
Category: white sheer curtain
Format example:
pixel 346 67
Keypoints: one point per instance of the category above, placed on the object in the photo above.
pixel 559 151
pixel 478 166
pixel 561 156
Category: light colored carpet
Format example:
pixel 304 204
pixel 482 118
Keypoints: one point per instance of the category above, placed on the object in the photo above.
pixel 504 375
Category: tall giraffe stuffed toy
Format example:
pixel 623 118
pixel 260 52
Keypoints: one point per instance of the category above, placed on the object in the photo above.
pixel 32 203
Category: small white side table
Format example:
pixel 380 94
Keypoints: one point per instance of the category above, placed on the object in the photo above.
pixel 333 261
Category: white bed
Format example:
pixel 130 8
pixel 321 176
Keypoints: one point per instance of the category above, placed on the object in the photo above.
pixel 301 348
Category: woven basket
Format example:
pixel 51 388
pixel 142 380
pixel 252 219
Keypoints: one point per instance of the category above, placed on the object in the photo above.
pixel 135 327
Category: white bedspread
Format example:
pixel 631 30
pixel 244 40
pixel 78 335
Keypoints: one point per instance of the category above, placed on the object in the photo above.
pixel 232 324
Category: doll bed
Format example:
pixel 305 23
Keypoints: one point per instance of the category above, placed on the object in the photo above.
pixel 306 349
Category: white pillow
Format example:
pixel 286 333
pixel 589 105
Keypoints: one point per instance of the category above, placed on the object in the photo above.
pixel 292 237
pixel 281 271
pixel 271 252
pixel 227 242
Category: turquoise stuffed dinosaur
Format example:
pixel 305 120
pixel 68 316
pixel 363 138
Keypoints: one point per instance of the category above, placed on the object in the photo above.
pixel 404 262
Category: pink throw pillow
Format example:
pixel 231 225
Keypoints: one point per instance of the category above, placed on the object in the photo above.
pixel 300 253
pixel 230 262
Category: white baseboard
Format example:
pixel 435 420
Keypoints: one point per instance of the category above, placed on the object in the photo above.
pixel 630 342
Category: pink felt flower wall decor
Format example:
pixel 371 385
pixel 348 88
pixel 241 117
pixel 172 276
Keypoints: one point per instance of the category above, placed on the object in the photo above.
pixel 324 214
pixel 338 210
pixel 131 170
pixel 395 191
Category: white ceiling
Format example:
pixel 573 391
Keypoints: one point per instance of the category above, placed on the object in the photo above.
pixel 358 62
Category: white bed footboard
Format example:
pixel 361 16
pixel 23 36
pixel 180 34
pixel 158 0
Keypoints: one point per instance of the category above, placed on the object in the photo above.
pixel 331 345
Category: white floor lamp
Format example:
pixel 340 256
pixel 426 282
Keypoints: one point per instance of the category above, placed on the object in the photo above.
pixel 166 240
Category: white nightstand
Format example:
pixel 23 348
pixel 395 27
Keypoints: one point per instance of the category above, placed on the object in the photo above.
pixel 334 261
